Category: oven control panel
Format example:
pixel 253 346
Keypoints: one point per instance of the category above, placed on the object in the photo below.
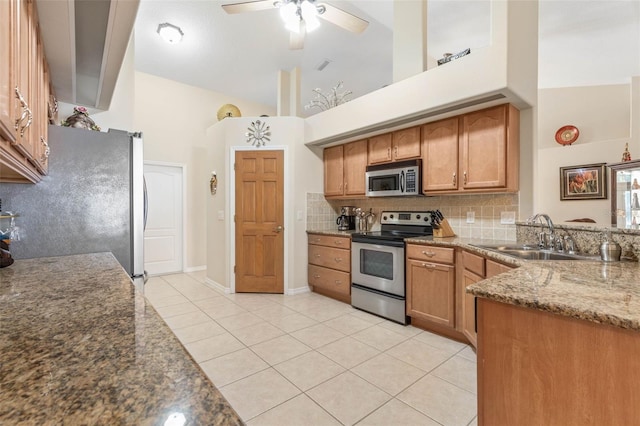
pixel 405 218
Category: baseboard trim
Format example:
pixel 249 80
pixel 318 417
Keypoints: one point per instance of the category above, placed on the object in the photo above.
pixel 299 290
pixel 216 286
pixel 196 268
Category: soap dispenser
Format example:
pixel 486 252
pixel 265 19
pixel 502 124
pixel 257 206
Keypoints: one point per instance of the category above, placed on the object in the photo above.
pixel 610 251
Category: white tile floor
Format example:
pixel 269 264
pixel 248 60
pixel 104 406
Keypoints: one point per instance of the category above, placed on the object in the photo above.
pixel 310 360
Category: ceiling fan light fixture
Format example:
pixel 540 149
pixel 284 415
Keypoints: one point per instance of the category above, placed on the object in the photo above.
pixel 310 15
pixel 170 33
pixel 289 14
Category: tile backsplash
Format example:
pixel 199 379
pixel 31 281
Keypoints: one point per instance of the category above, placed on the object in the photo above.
pixel 486 208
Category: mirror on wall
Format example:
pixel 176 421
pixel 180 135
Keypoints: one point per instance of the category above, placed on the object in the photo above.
pixel 625 194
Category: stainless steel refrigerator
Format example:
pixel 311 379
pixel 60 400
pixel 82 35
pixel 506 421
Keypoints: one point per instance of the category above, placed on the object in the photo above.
pixel 93 199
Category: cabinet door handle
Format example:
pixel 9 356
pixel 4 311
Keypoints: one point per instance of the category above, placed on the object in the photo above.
pixel 429 265
pixel 395 151
pixel 345 185
pixel 317 240
pixel 317 256
pixel 46 152
pixel 26 114
pixel 388 153
pixel 338 259
pixel 338 282
pixel 455 178
pixel 316 276
pixel 464 179
pixel 428 253
pixel 338 242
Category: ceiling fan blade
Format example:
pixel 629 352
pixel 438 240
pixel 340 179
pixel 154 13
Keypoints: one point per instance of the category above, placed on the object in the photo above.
pixel 343 19
pixel 249 6
pixel 296 40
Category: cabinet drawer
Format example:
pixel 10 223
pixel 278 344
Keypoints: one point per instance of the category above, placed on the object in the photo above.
pixel 474 263
pixel 330 241
pixel 495 268
pixel 330 279
pixel 430 253
pixel 330 257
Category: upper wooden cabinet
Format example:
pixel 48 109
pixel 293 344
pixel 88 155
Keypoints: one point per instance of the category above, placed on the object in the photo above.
pixel 399 145
pixel 476 152
pixel 24 93
pixel 344 169
pixel 440 155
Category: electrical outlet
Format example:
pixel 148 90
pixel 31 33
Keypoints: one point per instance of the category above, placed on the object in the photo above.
pixel 507 218
pixel 471 217
pixel 299 215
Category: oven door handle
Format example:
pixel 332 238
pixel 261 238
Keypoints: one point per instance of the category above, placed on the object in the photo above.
pixel 402 181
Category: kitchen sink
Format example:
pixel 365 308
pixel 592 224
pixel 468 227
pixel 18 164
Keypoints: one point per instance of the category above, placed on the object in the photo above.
pixel 530 252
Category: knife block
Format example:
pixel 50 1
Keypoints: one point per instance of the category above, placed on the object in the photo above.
pixel 444 230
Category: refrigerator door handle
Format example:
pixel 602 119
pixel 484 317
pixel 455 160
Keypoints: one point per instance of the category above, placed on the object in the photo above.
pixel 146 204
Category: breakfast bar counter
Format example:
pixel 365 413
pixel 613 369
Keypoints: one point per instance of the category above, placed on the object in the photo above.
pixel 79 345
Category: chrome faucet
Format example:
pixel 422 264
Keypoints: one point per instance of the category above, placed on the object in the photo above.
pixel 546 240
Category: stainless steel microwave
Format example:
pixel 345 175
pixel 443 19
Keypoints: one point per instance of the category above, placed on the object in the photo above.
pixel 394 179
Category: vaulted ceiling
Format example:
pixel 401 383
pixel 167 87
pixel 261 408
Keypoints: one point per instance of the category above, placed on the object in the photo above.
pixel 580 43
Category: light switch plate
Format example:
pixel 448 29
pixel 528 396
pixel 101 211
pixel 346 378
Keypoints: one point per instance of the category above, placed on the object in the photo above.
pixel 507 218
pixel 471 217
pixel 220 214
pixel 299 215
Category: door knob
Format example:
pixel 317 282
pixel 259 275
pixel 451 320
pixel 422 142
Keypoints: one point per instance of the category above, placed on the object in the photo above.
pixel 278 229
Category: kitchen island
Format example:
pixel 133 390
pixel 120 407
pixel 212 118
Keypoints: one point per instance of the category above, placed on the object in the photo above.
pixel 78 345
pixel 559 344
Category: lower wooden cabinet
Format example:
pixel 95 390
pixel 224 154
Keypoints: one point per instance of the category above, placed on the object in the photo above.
pixel 475 268
pixel 436 280
pixel 431 284
pixel 539 368
pixel 329 269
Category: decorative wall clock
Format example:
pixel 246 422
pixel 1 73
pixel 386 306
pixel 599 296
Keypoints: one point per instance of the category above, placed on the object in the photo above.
pixel 566 135
pixel 258 133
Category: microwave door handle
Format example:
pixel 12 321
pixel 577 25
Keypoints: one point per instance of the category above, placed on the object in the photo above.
pixel 402 181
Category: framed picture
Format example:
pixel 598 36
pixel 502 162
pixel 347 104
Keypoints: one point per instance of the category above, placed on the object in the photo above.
pixel 587 182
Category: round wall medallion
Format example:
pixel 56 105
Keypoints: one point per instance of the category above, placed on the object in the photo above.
pixel 258 133
pixel 228 110
pixel 566 135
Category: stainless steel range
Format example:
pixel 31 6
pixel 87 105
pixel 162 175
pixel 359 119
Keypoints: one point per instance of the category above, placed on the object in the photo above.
pixel 378 262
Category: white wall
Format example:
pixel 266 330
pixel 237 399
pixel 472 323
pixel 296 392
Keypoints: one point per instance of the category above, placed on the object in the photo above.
pixel 173 118
pixel 303 173
pixel 605 116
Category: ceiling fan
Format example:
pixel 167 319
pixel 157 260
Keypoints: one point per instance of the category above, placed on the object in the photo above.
pixel 301 16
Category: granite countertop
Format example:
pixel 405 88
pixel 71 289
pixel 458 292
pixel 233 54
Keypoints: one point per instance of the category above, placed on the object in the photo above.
pixel 78 345
pixel 596 291
pixel 333 232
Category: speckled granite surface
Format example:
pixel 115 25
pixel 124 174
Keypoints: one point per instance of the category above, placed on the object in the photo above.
pixel 79 346
pixel 601 292
pixel 333 232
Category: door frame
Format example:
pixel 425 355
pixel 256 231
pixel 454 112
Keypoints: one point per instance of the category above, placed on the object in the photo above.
pixel 183 203
pixel 231 230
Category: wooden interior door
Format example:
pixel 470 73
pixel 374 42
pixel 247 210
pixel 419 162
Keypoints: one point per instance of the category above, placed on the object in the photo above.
pixel 259 221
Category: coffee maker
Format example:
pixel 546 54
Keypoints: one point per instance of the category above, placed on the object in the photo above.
pixel 347 219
